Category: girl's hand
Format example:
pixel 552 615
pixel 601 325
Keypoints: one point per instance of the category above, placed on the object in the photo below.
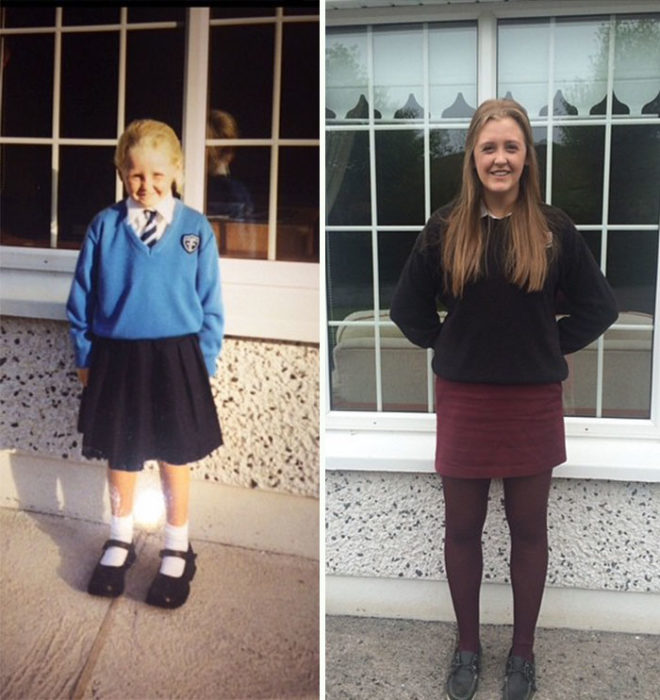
pixel 83 375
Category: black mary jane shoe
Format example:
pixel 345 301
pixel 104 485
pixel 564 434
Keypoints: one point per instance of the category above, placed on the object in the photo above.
pixel 463 677
pixel 519 679
pixel 108 581
pixel 172 591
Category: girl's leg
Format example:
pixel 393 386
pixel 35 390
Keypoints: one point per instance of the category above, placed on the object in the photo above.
pixel 466 505
pixel 121 485
pixel 526 504
pixel 176 487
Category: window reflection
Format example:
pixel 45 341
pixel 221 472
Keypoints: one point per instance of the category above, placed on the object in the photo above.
pixel 347 187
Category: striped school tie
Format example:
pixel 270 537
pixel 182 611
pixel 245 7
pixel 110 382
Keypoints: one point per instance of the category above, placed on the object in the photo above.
pixel 148 235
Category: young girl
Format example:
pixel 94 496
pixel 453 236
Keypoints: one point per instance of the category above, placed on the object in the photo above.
pixel 498 259
pixel 147 323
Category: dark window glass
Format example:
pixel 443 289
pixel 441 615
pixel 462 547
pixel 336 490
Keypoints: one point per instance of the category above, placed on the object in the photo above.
pixel 298 208
pixel 393 250
pixel 244 87
pixel 400 177
pixel 86 185
pixel 350 277
pixel 28 16
pixel 156 14
pixel 27 86
pixel 635 174
pixel 90 73
pixel 100 14
pixel 219 12
pixel 237 203
pixel 447 147
pixel 311 8
pixel 540 135
pixel 25 195
pixel 632 269
pixel 577 182
pixel 155 94
pixel 347 178
pixel 300 81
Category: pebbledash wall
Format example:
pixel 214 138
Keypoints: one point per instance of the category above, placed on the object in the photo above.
pixel 384 551
pixel 264 481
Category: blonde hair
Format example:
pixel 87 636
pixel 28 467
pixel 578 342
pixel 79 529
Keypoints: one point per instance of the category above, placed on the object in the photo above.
pixel 526 250
pixel 151 134
pixel 220 125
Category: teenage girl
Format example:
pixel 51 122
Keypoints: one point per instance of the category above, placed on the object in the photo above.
pixel 498 259
pixel 147 322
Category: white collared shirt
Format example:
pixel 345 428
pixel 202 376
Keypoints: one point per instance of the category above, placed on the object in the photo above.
pixel 136 217
pixel 485 212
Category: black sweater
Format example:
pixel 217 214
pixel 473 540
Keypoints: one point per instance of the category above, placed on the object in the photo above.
pixel 497 333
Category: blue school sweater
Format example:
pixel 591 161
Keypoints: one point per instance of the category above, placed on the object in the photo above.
pixel 123 289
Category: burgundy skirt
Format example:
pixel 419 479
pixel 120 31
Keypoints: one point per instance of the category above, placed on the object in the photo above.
pixel 491 430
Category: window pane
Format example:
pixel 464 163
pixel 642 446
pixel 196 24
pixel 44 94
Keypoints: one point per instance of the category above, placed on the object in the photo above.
pixel 90 15
pixel 398 70
pixel 447 149
pixel 453 71
pixel 155 94
pixel 90 70
pixel 27 86
pixel 307 10
pixel 637 64
pixel 635 174
pixel 218 12
pixel 632 268
pixel 300 81
pixel 28 16
pixel 237 191
pixel 346 83
pixel 244 87
pixel 81 167
pixel 353 366
pixel 156 14
pixel 349 273
pixel 347 178
pixel 25 195
pixel 393 250
pixel 298 204
pixel 400 177
pixel 522 62
pixel 577 182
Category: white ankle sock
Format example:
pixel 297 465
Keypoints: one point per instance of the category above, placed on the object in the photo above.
pixel 121 528
pixel 176 537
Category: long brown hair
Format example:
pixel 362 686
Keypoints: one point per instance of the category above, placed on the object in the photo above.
pixel 526 250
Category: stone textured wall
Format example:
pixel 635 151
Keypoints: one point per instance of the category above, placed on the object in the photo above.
pixel 266 394
pixel 603 534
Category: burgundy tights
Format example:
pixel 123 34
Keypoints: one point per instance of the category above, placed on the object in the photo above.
pixel 525 504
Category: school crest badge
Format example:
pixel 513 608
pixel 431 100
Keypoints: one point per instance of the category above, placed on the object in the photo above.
pixel 190 242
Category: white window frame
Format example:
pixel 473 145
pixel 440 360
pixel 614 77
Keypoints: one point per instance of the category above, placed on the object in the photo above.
pixel 602 448
pixel 267 299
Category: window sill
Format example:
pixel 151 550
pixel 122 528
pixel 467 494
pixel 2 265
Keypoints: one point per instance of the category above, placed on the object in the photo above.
pixel 590 456
pixel 263 299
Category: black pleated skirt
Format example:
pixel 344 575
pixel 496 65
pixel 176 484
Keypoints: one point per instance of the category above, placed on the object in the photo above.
pixel 148 399
pixel 498 431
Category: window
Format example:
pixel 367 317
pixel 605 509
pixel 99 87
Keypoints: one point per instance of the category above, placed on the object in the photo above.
pixel 399 97
pixel 74 77
pixel 100 75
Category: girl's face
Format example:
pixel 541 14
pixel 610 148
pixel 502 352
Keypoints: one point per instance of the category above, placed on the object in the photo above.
pixel 499 157
pixel 148 174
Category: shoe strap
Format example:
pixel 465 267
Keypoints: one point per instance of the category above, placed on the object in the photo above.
pixel 173 553
pixel 118 543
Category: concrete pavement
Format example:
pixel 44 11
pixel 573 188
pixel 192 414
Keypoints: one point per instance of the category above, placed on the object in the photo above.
pixel 379 659
pixel 248 630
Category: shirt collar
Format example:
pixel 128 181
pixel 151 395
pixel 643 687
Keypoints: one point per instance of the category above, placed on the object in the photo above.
pixel 165 208
pixel 485 212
